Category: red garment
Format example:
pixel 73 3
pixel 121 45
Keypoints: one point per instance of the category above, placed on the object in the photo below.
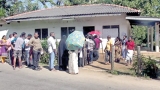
pixel 130 45
pixel 98 41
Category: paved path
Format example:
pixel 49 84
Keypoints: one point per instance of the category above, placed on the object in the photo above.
pixel 27 79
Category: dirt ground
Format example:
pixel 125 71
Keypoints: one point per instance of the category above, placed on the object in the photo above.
pixel 100 66
pixel 120 67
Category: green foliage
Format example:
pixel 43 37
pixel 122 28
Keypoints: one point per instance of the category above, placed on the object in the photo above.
pixel 45 57
pixel 139 34
pixel 74 2
pixel 12 7
pixel 148 67
pixel 2 12
pixel 44 45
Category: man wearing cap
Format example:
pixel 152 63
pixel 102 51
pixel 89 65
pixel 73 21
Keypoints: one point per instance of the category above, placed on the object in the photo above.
pixel 17 50
pixel 108 50
pixel 27 50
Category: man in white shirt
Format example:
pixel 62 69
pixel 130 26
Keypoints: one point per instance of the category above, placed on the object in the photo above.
pixel 27 50
pixel 52 50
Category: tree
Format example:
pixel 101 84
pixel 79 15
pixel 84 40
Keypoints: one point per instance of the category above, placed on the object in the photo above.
pixel 47 1
pixel 78 2
pixel 29 6
pixel 12 7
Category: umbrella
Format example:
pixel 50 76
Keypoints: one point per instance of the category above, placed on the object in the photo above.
pixel 95 32
pixel 75 40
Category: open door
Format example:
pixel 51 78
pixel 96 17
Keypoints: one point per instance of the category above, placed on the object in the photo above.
pixel 87 29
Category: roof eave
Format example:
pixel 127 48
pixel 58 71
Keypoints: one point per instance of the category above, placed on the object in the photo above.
pixel 63 16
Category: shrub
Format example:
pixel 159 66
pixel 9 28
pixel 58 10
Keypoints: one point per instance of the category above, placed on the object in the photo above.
pixel 45 57
pixel 148 67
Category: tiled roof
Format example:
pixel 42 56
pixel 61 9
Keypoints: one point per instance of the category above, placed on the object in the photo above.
pixel 79 10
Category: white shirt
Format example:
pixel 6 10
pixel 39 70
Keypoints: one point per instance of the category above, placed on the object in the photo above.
pixel 12 38
pixel 51 44
pixel 26 42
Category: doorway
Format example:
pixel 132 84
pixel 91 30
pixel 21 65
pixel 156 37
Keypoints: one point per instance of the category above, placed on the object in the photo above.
pixel 87 29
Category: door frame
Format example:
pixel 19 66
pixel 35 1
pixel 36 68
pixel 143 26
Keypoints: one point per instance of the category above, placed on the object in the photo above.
pixel 88 27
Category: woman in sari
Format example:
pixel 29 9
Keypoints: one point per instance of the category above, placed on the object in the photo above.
pixel 73 62
pixel 118 46
pixel 3 49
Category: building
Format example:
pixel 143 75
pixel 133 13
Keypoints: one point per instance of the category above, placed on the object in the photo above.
pixel 109 19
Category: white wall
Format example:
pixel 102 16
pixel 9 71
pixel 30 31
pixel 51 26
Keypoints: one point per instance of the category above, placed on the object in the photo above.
pixel 78 23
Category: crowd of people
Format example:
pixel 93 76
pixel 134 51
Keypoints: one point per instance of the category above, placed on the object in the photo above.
pixel 30 49
pixel 124 49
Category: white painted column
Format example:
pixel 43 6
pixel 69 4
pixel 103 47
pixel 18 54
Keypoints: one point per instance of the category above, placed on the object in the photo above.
pixel 152 38
pixel 148 33
pixel 157 36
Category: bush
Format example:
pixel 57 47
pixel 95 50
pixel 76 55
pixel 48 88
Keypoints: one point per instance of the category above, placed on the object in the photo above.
pixel 148 67
pixel 45 57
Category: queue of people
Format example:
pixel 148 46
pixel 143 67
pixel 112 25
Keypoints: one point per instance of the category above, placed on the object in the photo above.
pixel 124 49
pixel 31 49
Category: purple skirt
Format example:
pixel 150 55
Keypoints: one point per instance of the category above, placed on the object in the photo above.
pixel 3 50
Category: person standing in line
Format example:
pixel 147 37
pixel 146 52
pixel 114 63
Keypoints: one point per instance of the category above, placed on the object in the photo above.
pixel 108 50
pixel 73 62
pixel 9 43
pixel 96 51
pixel 63 54
pixel 91 46
pixel 124 50
pixel 3 51
pixel 35 42
pixel 118 46
pixel 80 57
pixel 9 48
pixel 18 50
pixel 27 51
pixel 130 46
pixel 52 51
pixel 13 40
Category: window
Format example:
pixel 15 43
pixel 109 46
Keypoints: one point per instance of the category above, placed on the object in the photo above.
pixel 106 27
pixel 114 26
pixel 43 33
pixel 108 30
pixel 67 30
pixel 110 26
